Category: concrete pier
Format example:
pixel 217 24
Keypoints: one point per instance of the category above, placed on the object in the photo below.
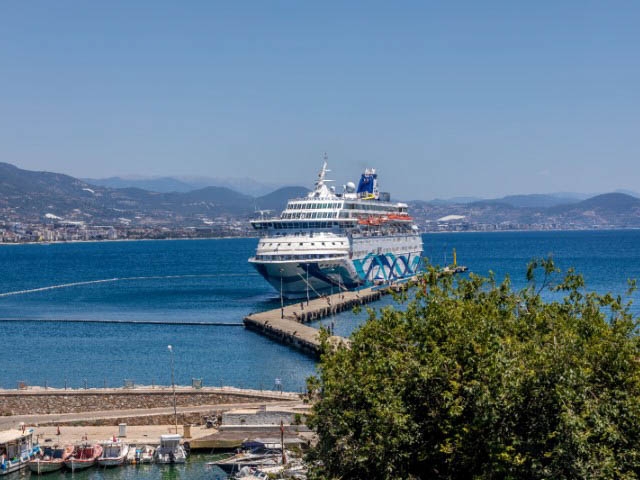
pixel 287 325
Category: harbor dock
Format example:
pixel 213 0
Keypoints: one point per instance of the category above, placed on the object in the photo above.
pixel 287 325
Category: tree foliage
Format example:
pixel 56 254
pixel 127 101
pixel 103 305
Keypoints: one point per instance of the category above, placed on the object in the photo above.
pixel 472 379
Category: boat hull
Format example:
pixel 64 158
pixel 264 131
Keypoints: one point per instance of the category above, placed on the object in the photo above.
pixel 296 279
pixel 10 467
pixel 170 461
pixel 75 465
pixel 114 454
pixel 111 462
pixel 44 466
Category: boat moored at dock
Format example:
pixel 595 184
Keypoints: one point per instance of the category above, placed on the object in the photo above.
pixel 337 241
pixel 170 450
pixel 16 450
pixel 144 454
pixel 83 456
pixel 114 453
pixel 51 459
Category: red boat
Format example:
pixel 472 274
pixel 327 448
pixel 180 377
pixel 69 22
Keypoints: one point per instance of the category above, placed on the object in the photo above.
pixel 84 456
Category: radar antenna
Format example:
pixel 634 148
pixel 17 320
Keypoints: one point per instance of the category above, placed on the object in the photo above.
pixel 262 213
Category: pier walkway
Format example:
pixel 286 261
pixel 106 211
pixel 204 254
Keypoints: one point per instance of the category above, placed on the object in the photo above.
pixel 287 325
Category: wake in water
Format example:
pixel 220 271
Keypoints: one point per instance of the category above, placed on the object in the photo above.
pixel 121 279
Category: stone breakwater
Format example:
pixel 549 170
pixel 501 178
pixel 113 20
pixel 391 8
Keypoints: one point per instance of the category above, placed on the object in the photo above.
pixel 34 402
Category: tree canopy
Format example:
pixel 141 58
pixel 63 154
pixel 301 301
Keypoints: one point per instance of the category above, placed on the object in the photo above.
pixel 471 379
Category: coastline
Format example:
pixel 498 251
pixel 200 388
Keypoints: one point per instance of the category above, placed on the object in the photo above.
pixel 119 240
pixel 124 240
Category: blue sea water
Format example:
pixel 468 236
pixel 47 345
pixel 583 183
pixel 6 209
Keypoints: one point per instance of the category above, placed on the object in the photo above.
pixel 194 281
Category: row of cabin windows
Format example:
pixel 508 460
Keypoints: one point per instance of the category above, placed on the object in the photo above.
pixel 295 257
pixel 312 206
pixel 296 225
pixel 302 243
pixel 288 216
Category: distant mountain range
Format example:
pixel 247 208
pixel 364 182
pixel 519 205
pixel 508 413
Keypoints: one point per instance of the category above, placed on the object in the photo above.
pixel 247 186
pixel 535 200
pixel 28 196
pixel 610 210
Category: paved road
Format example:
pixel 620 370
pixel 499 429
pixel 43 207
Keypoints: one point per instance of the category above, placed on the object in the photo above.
pixel 14 421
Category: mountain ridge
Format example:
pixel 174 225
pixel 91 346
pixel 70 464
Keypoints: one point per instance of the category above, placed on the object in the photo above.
pixel 29 196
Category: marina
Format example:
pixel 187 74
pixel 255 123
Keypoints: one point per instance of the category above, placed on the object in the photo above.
pixel 225 422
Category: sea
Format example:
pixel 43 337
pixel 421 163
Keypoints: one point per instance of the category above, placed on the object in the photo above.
pixel 102 314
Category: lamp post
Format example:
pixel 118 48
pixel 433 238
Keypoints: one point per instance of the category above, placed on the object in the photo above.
pixel 281 298
pixel 173 386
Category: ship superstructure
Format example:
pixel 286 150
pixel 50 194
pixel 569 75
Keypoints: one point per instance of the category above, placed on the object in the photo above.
pixel 330 241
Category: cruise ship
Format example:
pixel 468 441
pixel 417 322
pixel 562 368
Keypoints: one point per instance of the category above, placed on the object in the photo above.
pixel 330 241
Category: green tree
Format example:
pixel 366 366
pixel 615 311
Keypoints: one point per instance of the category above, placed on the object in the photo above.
pixel 474 380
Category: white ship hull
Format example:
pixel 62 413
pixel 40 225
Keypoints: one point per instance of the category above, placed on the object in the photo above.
pixel 297 277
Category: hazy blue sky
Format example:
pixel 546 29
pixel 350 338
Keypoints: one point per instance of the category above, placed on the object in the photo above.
pixel 444 98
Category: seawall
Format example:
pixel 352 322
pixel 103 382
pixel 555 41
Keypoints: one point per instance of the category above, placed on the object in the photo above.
pixel 58 401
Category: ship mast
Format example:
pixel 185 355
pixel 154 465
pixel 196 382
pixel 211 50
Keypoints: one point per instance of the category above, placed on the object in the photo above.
pixel 321 190
pixel 323 172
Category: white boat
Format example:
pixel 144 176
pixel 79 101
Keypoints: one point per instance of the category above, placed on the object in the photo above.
pixel 144 454
pixel 170 450
pixel 16 449
pixel 114 453
pixel 248 473
pixel 256 458
pixel 329 241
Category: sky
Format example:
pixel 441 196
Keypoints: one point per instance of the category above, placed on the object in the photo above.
pixel 445 99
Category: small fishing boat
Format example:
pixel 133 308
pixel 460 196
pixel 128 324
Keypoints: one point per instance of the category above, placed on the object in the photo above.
pixel 170 450
pixel 248 473
pixel 16 449
pixel 144 454
pixel 83 456
pixel 51 459
pixel 114 453
pixel 256 458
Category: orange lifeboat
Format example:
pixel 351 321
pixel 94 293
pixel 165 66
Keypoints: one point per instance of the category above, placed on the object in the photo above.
pixel 396 216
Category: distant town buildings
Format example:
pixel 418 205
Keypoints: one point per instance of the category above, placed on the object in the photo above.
pixel 72 231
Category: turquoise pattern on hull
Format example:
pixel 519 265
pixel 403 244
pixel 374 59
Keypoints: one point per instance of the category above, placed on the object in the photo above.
pixel 386 266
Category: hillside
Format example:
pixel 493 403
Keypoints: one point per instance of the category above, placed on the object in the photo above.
pixel 40 197
pixel 246 186
pixel 28 196
pixel 611 210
